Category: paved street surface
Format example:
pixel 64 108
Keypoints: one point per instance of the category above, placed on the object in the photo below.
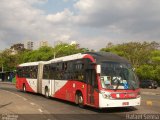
pixel 24 106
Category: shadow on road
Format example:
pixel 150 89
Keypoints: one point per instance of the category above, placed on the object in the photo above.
pixel 112 110
pixel 106 110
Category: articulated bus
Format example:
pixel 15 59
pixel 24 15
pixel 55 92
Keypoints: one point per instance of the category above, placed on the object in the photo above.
pixel 97 79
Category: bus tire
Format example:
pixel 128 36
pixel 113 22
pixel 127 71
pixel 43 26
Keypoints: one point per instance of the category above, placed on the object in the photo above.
pixel 24 88
pixel 46 92
pixel 80 100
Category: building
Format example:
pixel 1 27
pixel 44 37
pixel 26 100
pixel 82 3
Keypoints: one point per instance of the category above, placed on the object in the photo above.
pixel 43 43
pixel 29 45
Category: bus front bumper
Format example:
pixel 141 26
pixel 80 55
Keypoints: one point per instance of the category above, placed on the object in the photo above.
pixel 105 103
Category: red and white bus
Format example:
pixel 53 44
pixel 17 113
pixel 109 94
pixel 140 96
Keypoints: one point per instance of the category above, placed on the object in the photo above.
pixel 96 79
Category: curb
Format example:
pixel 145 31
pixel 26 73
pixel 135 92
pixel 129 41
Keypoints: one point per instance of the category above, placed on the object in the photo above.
pixel 149 93
pixel 10 83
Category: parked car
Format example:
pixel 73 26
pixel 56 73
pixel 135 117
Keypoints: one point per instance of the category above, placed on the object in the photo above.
pixel 148 84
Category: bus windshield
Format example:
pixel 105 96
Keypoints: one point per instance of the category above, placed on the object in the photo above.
pixel 116 75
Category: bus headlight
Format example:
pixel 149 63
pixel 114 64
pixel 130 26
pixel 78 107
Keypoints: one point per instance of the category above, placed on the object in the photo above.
pixel 138 94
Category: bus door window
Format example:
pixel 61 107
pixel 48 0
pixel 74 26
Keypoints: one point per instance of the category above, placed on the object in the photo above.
pixel 91 84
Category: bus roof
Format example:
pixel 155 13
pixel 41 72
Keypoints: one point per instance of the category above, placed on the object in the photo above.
pixel 67 58
pixel 98 56
pixel 30 64
pixel 107 56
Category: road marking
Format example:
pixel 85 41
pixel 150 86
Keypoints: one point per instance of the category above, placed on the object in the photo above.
pixel 153 101
pixel 12 93
pixel 24 99
pixel 16 95
pixel 40 110
pixel 32 103
pixel 149 103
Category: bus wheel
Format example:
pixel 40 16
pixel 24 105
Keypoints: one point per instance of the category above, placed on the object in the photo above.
pixel 24 88
pixel 46 93
pixel 80 100
pixel 150 87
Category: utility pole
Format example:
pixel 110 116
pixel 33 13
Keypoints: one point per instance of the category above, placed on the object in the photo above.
pixel 54 55
pixel 55 52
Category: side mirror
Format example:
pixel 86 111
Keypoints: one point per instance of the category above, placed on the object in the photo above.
pixel 98 69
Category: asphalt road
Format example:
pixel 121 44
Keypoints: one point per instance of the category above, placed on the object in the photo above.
pixel 31 106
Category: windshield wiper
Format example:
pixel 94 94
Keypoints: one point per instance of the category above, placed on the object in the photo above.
pixel 118 83
pixel 132 86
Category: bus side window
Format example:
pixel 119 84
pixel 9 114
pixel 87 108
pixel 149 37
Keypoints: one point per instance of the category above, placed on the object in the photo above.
pixel 31 71
pixel 45 72
pixel 52 71
pixel 24 72
pixel 58 73
pixel 64 66
pixel 35 70
pixel 79 68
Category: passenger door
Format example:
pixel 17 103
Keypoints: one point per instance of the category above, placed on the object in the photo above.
pixel 92 86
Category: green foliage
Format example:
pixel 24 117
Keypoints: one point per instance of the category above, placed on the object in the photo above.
pixel 136 53
pixel 42 54
pixel 45 53
pixel 8 61
pixel 157 73
pixel 64 49
pixel 145 72
pixel 155 57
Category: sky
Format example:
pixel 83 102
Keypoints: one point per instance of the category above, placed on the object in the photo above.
pixel 91 23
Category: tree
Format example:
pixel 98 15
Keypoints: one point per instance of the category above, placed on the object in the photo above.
pixel 8 61
pixel 145 72
pixel 155 57
pixel 42 54
pixel 18 47
pixel 47 53
pixel 136 53
pixel 65 49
